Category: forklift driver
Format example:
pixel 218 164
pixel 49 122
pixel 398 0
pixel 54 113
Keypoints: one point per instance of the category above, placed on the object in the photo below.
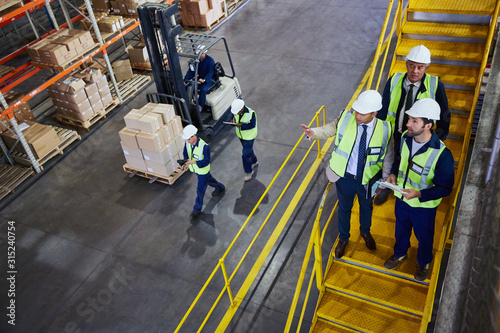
pixel 205 74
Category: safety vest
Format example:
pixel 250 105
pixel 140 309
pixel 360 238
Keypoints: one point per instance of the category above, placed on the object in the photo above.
pixel 417 173
pixel 196 154
pixel 430 83
pixel 344 145
pixel 249 134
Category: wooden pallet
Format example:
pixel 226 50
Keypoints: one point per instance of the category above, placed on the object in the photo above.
pixel 154 177
pixel 6 70
pixel 129 87
pixel 86 124
pixel 210 27
pixel 66 136
pixel 66 64
pixel 12 176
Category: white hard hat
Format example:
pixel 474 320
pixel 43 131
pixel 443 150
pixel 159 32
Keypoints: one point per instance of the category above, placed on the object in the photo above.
pixel 419 54
pixel 189 131
pixel 237 105
pixel 425 108
pixel 367 102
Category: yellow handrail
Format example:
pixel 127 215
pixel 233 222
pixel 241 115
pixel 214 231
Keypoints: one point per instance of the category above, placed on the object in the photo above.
pixel 222 259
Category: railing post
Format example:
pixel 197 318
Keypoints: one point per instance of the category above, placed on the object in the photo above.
pixel 228 284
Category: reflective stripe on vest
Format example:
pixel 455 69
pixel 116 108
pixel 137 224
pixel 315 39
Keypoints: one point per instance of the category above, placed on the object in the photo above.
pixel 197 155
pixel 418 172
pixel 249 134
pixel 377 147
pixel 430 83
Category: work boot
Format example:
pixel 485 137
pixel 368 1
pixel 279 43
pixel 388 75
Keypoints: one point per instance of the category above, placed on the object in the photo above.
pixel 194 215
pixel 369 241
pixel 256 164
pixel 248 176
pixel 382 197
pixel 394 261
pixel 218 193
pixel 340 249
pixel 422 272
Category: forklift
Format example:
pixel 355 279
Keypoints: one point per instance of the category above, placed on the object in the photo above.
pixel 167 47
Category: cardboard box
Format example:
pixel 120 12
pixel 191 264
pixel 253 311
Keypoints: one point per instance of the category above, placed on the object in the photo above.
pixel 76 96
pixel 41 139
pixel 128 137
pixel 56 54
pixel 104 91
pixel 195 6
pixel 101 5
pixel 71 42
pixel 138 53
pixel 115 7
pixel 166 131
pixel 165 110
pixel 176 124
pixel 97 106
pixel 162 156
pixel 150 141
pixel 70 85
pixel 122 70
pixel 134 162
pixel 131 151
pixel 82 115
pixel 132 119
pixel 187 19
pixel 107 100
pixel 91 89
pixel 93 99
pixel 179 144
pixel 81 107
pixel 102 83
pixel 90 75
pixel 160 169
pixel 150 122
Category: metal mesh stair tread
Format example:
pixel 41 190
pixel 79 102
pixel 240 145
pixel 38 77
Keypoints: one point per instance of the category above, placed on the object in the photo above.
pixel 449 74
pixel 365 316
pixel 460 99
pixel 458 124
pixel 445 29
pixel 464 7
pixel 444 50
pixel 378 287
pixel 323 326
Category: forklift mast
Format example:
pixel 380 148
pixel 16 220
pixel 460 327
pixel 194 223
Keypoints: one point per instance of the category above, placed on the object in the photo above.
pixel 160 37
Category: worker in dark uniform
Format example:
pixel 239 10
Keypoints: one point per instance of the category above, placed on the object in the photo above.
pixel 197 156
pixel 361 145
pixel 403 89
pixel 245 120
pixel 205 75
pixel 425 174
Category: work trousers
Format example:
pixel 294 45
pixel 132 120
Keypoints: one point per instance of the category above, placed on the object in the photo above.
pixel 422 220
pixel 347 189
pixel 248 156
pixel 202 97
pixel 203 182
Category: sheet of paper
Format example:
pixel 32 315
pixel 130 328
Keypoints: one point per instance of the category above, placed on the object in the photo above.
pixel 228 123
pixel 391 186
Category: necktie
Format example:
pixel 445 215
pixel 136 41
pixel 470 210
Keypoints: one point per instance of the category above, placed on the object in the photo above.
pixel 409 103
pixel 361 154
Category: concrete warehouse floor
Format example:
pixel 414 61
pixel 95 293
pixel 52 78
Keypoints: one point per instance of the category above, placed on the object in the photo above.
pixel 97 251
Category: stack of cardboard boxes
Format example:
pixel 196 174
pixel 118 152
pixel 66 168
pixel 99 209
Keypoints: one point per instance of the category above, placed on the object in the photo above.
pixel 151 140
pixel 126 7
pixel 81 95
pixel 42 139
pixel 201 13
pixel 21 113
pixel 61 47
pixel 86 25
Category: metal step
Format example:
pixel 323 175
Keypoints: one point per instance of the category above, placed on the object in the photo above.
pixel 458 124
pixel 456 75
pixel 323 326
pixel 365 316
pixel 443 50
pixel 464 7
pixel 445 29
pixel 460 99
pixel 455 146
pixel 378 287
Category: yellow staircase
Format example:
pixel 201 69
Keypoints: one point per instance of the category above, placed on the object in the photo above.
pixel 360 294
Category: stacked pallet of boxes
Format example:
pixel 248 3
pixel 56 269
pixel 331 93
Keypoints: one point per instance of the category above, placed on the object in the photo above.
pixel 126 7
pixel 21 112
pixel 201 13
pixel 42 139
pixel 82 95
pixel 151 140
pixel 61 48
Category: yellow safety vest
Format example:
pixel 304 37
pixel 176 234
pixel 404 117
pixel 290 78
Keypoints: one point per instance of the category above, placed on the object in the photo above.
pixel 196 154
pixel 249 134
pixel 417 173
pixel 344 144
pixel 430 83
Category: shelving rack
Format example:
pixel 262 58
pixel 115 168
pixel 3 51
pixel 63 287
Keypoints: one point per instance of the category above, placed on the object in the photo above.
pixel 27 70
